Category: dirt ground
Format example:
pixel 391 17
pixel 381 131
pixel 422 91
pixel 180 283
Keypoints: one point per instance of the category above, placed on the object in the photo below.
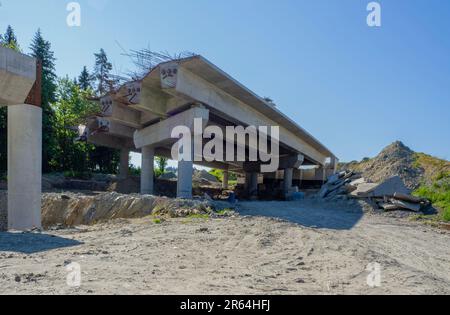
pixel 270 248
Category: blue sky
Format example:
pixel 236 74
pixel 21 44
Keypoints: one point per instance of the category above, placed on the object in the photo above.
pixel 355 88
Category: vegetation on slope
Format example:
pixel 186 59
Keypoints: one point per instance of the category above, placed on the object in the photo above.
pixel 436 182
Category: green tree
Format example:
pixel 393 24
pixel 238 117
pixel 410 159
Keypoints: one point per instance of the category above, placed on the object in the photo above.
pixel 71 107
pixel 102 73
pixel 41 49
pixel 10 39
pixel 219 175
pixel 85 79
pixel 161 164
pixel 106 160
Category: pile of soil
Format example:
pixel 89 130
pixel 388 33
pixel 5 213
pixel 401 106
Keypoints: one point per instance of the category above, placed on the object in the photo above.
pixel 79 209
pixel 395 160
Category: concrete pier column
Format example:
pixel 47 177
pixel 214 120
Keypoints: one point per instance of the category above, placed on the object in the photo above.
pixel 225 180
pixel 253 187
pixel 247 181
pixel 184 185
pixel 288 176
pixel 185 172
pixel 24 167
pixel 124 163
pixel 147 170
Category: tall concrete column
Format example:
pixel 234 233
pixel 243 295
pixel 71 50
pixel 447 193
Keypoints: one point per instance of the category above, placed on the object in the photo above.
pixel 184 185
pixel 253 187
pixel 124 163
pixel 247 181
pixel 24 167
pixel 147 170
pixel 226 176
pixel 288 176
pixel 185 172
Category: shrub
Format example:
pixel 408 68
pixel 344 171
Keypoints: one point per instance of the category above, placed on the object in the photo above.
pixel 438 193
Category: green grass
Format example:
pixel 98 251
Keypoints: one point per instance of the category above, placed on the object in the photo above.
pixel 225 212
pixel 199 216
pixel 436 184
pixel 439 194
pixel 157 221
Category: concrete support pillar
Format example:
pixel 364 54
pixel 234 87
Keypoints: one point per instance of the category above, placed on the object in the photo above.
pixel 124 163
pixel 247 181
pixel 147 170
pixel 226 176
pixel 253 187
pixel 24 167
pixel 184 185
pixel 288 176
pixel 185 173
pixel 334 164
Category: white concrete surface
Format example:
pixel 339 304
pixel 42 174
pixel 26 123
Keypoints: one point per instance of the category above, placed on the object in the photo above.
pixel 198 89
pixel 225 180
pixel 147 170
pixel 253 187
pixel 162 131
pixel 184 185
pixel 124 163
pixel 24 167
pixel 288 176
pixel 17 76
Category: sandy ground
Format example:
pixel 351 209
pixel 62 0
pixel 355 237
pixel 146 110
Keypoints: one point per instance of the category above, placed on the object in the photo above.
pixel 298 248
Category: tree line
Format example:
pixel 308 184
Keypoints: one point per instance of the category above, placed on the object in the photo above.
pixel 65 104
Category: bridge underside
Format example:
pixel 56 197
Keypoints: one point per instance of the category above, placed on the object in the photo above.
pixel 141 116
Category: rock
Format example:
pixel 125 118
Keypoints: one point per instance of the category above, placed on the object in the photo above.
pixel 408 198
pixel 406 205
pixel 358 182
pixel 333 179
pixel 364 189
pixel 390 187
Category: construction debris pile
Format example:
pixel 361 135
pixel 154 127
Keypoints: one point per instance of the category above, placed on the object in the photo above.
pixel 390 195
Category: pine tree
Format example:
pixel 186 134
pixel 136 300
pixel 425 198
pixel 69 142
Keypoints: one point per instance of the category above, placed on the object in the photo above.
pixel 105 160
pixel 85 79
pixel 102 72
pixel 10 39
pixel 41 49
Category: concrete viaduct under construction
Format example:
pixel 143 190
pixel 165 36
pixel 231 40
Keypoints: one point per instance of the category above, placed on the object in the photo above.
pixel 140 117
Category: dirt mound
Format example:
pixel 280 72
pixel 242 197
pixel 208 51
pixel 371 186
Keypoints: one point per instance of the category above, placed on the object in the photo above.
pixel 395 160
pixel 78 209
pixel 204 178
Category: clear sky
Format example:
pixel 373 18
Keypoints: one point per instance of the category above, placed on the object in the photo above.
pixel 355 88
